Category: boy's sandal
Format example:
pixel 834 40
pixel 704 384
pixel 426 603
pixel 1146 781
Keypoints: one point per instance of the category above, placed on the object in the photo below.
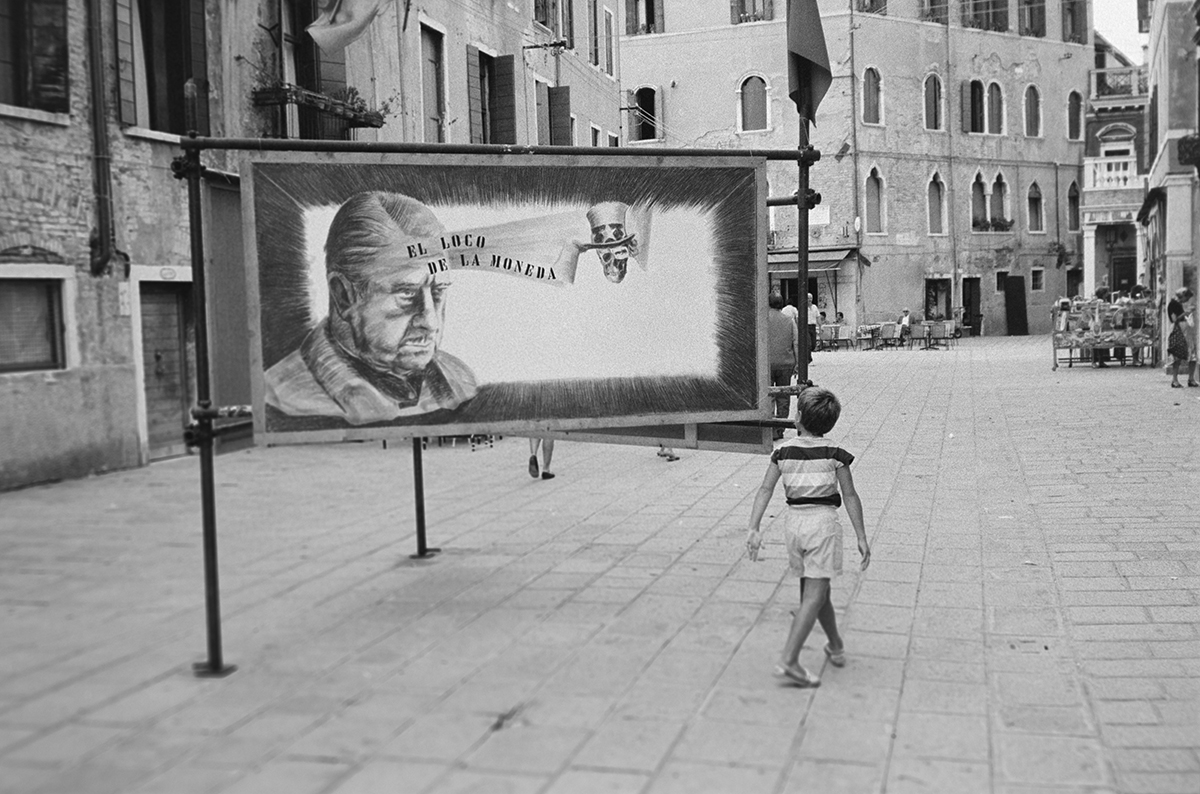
pixel 797 676
pixel 533 466
pixel 1176 385
pixel 1193 383
pixel 836 658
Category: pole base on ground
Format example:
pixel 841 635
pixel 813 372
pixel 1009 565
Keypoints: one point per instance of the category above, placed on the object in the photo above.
pixel 205 670
pixel 424 555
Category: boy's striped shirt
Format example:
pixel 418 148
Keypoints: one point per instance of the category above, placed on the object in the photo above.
pixel 808 467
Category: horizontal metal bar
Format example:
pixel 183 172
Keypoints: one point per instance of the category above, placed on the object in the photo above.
pixel 783 201
pixel 380 147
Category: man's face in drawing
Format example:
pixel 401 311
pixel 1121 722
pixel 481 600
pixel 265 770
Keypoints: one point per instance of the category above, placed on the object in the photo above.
pixel 397 318
pixel 614 260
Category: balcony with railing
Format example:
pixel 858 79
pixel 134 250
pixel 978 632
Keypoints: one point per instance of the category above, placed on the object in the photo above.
pixel 1112 173
pixel 1120 82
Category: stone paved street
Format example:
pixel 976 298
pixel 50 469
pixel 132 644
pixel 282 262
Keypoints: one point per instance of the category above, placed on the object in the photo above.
pixel 1029 622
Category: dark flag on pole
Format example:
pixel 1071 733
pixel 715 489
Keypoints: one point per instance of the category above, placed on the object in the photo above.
pixel 809 76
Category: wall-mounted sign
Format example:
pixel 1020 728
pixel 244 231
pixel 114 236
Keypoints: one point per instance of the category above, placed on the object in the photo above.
pixel 417 295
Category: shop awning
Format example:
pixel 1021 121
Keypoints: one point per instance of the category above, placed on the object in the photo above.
pixel 783 260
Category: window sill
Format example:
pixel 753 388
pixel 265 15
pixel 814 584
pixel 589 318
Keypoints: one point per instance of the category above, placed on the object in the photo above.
pixel 874 124
pixel 142 133
pixel 645 141
pixel 876 234
pixel 1041 231
pixel 35 115
pixel 764 131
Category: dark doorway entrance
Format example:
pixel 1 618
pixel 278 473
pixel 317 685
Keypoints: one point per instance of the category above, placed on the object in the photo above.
pixel 1074 281
pixel 937 299
pixel 167 365
pixel 972 316
pixel 1124 273
pixel 1015 311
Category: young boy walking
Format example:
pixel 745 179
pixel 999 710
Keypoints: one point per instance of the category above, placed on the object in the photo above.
pixel 817 481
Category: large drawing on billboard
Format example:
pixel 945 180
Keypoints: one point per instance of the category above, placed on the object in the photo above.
pixel 418 295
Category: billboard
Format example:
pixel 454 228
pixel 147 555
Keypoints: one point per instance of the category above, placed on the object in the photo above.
pixel 394 296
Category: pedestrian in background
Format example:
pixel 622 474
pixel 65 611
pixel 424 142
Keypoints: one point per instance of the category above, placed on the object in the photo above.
pixel 782 340
pixel 547 454
pixel 817 481
pixel 1181 343
pixel 813 317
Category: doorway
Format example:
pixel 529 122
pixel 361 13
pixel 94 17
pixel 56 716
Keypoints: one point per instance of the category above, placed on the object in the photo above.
pixel 1074 281
pixel 1015 310
pixel 937 298
pixel 168 365
pixel 1124 273
pixel 972 311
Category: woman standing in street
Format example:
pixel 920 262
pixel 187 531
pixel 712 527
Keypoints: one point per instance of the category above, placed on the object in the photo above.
pixel 1181 344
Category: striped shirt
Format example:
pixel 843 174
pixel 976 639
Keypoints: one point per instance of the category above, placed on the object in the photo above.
pixel 808 467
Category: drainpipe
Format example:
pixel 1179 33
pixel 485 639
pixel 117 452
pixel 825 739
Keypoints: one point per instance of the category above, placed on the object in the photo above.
pixel 104 250
pixel 859 305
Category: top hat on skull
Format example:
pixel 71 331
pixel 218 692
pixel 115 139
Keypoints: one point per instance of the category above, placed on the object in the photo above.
pixel 612 244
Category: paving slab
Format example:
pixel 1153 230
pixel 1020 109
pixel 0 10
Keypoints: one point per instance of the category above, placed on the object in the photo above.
pixel 1030 622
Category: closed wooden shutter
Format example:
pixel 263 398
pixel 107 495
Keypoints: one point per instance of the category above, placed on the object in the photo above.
pixel 633 129
pixel 631 17
pixel 504 101
pixel 658 17
pixel 126 87
pixel 560 116
pixel 568 31
pixel 474 95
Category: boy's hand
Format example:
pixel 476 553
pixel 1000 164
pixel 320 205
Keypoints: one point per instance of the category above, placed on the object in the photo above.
pixel 753 544
pixel 865 550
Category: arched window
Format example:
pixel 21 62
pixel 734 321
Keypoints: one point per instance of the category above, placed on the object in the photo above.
pixel 874 202
pixel 933 102
pixel 1074 116
pixel 1036 221
pixel 1073 208
pixel 1033 112
pixel 645 115
pixel 999 204
pixel 937 204
pixel 754 103
pixel 973 107
pixel 872 99
pixel 979 213
pixel 995 109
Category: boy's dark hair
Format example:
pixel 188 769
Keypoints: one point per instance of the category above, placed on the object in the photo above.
pixel 817 410
pixel 775 301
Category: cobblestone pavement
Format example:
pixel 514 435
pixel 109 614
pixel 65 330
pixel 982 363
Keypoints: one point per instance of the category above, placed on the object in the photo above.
pixel 1029 623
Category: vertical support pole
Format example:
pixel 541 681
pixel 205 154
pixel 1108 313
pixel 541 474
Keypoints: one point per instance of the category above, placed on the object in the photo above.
pixel 203 414
pixel 804 349
pixel 423 550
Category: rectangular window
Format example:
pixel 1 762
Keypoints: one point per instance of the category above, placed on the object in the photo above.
pixel 1001 280
pixel 752 10
pixel 1074 18
pixel 432 81
pixel 160 46
pixel 31 325
pixel 34 64
pixel 609 34
pixel 593 33
pixel 1031 18
pixel 936 11
pixel 595 135
pixel 481 95
pixel 614 139
pixel 644 16
pixel 574 131
pixel 1037 279
pixel 542 101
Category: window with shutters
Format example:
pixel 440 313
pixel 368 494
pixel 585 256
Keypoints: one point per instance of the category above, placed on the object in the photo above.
pixel 482 96
pixel 1074 116
pixel 936 204
pixel 32 332
pixel 160 46
pixel 433 103
pixel 1033 112
pixel 1073 208
pixel 995 109
pixel 644 115
pixel 985 15
pixel 752 101
pixel 1037 221
pixel 1074 19
pixel 34 65
pixel 610 32
pixel 751 11
pixel 644 16
pixel 872 97
pixel 979 209
pixel 933 103
pixel 559 103
pixel 973 106
pixel 1031 18
pixel 875 202
pixel 593 21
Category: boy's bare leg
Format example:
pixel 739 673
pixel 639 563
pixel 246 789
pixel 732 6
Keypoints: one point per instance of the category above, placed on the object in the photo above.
pixel 813 594
pixel 828 621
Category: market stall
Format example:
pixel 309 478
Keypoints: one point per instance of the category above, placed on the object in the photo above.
pixel 1081 326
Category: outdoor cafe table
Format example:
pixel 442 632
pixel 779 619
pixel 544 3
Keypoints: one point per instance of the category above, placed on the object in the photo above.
pixel 868 337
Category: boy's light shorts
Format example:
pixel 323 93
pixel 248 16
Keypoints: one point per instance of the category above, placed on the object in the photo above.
pixel 813 536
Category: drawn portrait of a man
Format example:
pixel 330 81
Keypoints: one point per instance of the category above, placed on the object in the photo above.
pixel 376 356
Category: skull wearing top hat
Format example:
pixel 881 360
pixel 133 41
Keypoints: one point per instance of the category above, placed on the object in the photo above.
pixel 612 244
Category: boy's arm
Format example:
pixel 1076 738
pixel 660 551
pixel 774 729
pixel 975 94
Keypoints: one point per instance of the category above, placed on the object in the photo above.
pixel 761 500
pixel 854 510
